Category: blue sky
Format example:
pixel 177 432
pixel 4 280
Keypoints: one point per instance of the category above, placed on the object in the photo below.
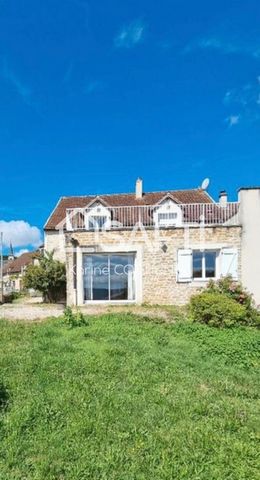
pixel 96 93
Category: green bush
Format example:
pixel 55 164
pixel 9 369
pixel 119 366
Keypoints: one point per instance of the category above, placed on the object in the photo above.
pixel 235 290
pixel 48 277
pixel 217 310
pixel 10 297
pixel 74 319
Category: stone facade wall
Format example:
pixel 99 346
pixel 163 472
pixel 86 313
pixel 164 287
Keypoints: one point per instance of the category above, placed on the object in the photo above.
pixel 55 241
pixel 158 253
pixel 71 291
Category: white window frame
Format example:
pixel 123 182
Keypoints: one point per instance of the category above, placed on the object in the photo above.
pixel 168 207
pixel 170 218
pixel 97 211
pixel 184 271
pixel 217 269
pixel 113 301
pixel 94 220
pixel 110 248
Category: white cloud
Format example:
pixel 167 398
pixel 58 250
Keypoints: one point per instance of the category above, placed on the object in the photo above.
pixel 245 100
pixel 241 96
pixel 20 252
pixel 130 35
pixel 233 120
pixel 226 46
pixel 20 234
pixel 21 89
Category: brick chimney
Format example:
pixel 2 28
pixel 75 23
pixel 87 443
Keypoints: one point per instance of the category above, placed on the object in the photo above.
pixel 139 188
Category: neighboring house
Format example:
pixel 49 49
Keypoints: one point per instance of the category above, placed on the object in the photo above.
pixel 6 259
pixel 14 270
pixel 157 247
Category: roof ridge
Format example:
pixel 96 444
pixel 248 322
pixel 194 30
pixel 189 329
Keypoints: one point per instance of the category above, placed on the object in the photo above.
pixel 185 196
pixel 132 193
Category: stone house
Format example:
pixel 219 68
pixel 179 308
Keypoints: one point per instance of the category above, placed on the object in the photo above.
pixel 157 247
pixel 14 270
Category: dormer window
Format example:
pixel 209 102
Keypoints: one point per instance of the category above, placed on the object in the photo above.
pixel 167 219
pixel 97 217
pixel 96 222
pixel 168 214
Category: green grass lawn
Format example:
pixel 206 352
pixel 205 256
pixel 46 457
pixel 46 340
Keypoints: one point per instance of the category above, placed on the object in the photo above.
pixel 128 399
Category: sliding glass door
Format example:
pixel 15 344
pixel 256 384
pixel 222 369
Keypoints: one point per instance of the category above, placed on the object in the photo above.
pixel 109 277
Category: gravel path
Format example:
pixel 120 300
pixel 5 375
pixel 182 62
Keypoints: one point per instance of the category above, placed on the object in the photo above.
pixel 30 312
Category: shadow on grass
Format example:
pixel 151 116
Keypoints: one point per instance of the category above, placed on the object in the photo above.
pixel 4 397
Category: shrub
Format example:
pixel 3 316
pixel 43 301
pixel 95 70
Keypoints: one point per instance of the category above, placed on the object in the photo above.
pixel 10 297
pixel 217 310
pixel 235 290
pixel 48 277
pixel 232 289
pixel 74 319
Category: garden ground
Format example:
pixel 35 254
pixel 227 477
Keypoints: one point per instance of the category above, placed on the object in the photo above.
pixel 31 309
pixel 128 398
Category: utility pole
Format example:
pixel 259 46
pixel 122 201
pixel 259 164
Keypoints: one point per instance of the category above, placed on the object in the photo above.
pixel 1 268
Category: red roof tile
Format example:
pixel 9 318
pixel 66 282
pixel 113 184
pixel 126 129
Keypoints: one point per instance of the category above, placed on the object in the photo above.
pixel 16 265
pixel 124 200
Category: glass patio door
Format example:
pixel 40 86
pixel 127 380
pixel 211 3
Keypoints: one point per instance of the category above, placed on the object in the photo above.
pixel 108 277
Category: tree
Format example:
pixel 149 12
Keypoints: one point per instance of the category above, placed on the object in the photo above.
pixel 48 277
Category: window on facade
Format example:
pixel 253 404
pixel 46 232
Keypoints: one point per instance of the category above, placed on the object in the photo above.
pixel 204 264
pixel 109 277
pixel 97 222
pixel 167 218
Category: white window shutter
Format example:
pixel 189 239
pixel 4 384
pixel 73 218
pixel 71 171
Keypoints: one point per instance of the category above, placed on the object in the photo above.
pixel 184 267
pixel 229 262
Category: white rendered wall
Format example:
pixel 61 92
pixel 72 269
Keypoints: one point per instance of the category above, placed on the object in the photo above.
pixel 250 242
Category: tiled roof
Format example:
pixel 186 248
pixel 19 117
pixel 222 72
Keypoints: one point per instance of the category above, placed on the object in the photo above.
pixel 16 265
pixel 124 200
